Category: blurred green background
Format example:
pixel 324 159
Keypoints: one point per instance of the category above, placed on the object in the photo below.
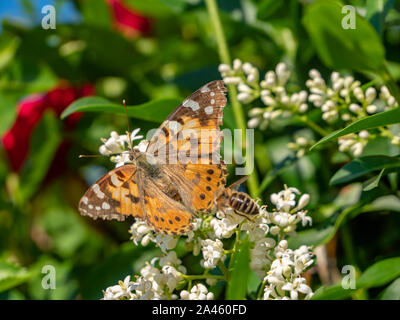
pixel 155 51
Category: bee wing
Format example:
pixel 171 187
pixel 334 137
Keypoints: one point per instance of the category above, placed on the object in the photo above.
pixel 236 184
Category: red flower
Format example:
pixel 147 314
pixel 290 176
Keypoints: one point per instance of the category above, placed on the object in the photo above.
pixel 30 111
pixel 128 21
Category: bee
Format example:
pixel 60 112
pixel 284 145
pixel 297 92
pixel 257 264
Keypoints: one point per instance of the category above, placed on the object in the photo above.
pixel 240 202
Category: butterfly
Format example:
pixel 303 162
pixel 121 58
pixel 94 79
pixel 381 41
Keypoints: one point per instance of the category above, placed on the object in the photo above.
pixel 178 175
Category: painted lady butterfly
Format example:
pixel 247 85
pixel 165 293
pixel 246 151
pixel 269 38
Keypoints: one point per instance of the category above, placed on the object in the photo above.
pixel 167 193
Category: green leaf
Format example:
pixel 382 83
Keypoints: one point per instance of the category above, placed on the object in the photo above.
pixel 155 111
pixel 44 143
pixel 96 13
pixel 377 11
pixel 362 166
pixel 360 48
pixel 158 8
pixel 237 285
pixel 384 203
pixel 380 273
pixel 373 182
pixel 392 292
pixel 268 7
pixel 254 283
pixel 12 275
pixel 8 47
pixel 8 112
pixel 376 275
pixel 377 120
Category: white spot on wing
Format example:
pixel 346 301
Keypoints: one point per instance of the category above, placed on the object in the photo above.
pixel 212 101
pixel 97 191
pixel 105 206
pixel 85 200
pixel 205 89
pixel 175 126
pixel 98 208
pixel 212 94
pixel 208 109
pixel 191 104
pixel 115 181
pixel 191 124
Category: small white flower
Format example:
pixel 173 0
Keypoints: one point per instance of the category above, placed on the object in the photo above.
pixel 364 134
pixel 212 253
pixel 224 68
pixel 371 109
pixel 245 97
pixel 198 292
pixel 298 286
pixel 285 199
pixel 370 94
pixel 396 140
pixel 166 241
pixel 120 291
pixel 303 201
pixel 141 232
pixel 232 80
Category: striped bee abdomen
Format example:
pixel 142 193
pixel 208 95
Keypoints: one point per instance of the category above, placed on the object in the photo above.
pixel 243 203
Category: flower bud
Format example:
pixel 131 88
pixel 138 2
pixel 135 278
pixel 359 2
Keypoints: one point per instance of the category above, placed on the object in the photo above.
pixel 303 201
pixel 370 94
pixel 364 134
pixel 372 109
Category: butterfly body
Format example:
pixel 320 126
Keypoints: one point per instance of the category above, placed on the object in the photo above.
pixel 178 175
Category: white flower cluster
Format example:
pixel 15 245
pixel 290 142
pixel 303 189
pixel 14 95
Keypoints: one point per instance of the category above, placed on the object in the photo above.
pixel 117 146
pixel 142 233
pixel 121 291
pixel 276 224
pixel 266 231
pixel 343 98
pixel 332 99
pixel 212 253
pixel 272 91
pixel 288 212
pixel 284 280
pixel 354 143
pixel 198 292
pixel 154 283
pixel 300 145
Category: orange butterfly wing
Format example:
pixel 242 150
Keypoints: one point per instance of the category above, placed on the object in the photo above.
pixel 128 190
pixel 114 196
pixel 202 174
pixel 163 213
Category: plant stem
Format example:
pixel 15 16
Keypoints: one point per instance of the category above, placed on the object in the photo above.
pixel 203 276
pixel 225 57
pixel 221 265
pixel 261 289
pixel 313 126
pixel 347 243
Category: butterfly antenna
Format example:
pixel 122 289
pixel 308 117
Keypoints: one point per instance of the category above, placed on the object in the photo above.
pixel 128 133
pixel 90 156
